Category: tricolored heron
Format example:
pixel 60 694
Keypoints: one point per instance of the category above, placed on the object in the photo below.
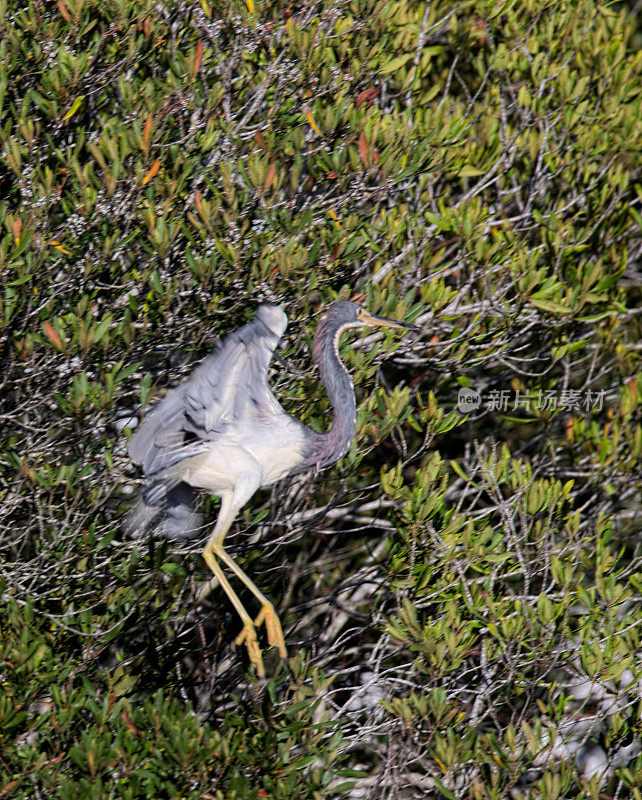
pixel 223 431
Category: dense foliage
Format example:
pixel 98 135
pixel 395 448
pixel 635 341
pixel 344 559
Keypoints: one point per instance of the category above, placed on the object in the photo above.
pixel 461 593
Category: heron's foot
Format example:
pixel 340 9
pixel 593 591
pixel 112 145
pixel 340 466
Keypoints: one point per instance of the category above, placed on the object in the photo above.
pixel 248 635
pixel 273 628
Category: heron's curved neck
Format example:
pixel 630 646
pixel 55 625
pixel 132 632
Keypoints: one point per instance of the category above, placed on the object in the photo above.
pixel 333 444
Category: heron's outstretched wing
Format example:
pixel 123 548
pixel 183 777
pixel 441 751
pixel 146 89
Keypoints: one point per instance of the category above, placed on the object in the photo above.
pixel 230 386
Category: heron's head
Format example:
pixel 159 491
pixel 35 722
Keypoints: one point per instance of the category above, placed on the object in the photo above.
pixel 352 315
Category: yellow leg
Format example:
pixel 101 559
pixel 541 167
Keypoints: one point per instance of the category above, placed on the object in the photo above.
pixel 267 613
pixel 248 635
pixel 213 550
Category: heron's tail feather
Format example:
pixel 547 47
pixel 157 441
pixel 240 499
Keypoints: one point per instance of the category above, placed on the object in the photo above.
pixel 170 509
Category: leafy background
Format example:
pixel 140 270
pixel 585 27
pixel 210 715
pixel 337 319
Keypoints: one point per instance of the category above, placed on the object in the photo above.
pixel 461 593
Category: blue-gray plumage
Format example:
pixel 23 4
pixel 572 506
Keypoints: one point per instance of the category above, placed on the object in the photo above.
pixel 223 431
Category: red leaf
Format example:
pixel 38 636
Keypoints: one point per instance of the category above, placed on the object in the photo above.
pixel 269 177
pixel 367 96
pixel 153 170
pixel 147 133
pixel 198 57
pixel 51 334
pixel 8 787
pixel 632 387
pixel 64 13
pixel 198 199
pixel 363 149
pixel 132 728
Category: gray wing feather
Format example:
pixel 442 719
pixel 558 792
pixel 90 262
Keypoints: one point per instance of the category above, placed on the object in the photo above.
pixel 229 386
pixel 160 433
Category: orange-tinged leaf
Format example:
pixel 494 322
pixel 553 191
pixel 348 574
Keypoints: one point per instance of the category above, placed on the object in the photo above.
pixel 9 787
pixel 153 170
pixel 54 761
pixel 363 149
pixel 632 387
pixel 334 216
pixel 147 133
pixel 312 122
pixel 332 175
pixel 259 139
pixel 50 333
pixel 269 177
pixel 64 13
pixel 17 227
pixel 198 57
pixel 434 340
pixel 443 767
pixel 367 96
pixel 58 246
pixel 132 728
pixel 375 155
pixel 569 429
pixel 198 199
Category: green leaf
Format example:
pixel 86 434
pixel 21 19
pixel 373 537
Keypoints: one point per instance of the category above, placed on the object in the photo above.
pixel 146 388
pixel 459 471
pixel 20 281
pixel 396 63
pixel 74 107
pixel 446 792
pixel 174 569
pixel 550 305
pixel 469 171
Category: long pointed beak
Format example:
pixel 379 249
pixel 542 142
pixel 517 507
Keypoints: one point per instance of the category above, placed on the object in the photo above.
pixel 384 322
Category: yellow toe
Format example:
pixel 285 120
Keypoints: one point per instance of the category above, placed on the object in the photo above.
pixel 248 635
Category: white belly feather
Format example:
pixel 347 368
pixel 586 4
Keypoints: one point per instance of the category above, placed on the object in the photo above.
pixel 266 452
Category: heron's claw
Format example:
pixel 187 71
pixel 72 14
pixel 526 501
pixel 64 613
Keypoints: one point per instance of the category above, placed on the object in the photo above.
pixel 275 638
pixel 273 628
pixel 248 635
